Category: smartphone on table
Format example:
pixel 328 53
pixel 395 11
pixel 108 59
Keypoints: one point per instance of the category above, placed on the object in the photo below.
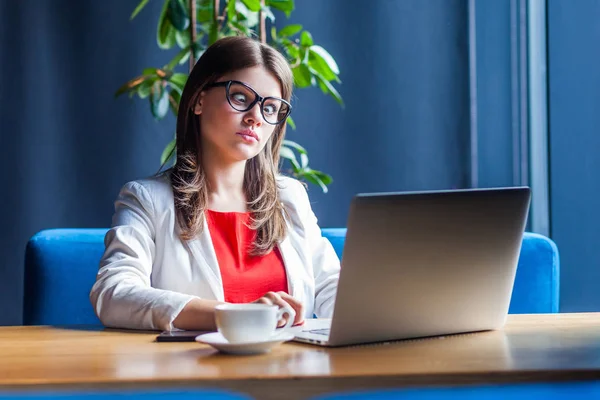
pixel 179 336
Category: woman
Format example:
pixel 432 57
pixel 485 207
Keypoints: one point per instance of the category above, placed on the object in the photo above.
pixel 222 225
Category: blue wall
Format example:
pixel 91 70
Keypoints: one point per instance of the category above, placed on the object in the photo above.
pixel 495 53
pixel 405 81
pixel 68 145
pixel 574 107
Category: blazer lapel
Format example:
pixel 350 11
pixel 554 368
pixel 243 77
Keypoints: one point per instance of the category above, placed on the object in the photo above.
pixel 203 252
pixel 293 263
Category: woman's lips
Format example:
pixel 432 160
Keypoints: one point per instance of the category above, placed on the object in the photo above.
pixel 248 135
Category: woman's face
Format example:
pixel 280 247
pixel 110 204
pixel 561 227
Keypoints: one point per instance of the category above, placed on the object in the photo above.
pixel 229 135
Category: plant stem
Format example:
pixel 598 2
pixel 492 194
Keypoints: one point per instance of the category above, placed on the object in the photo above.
pixel 261 19
pixel 192 33
pixel 216 8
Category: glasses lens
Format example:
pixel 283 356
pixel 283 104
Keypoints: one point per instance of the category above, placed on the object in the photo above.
pixel 240 97
pixel 275 110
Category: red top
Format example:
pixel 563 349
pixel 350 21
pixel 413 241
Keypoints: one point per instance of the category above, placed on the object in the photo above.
pixel 245 277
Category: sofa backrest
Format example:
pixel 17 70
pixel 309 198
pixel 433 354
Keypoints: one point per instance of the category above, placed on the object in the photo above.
pixel 61 267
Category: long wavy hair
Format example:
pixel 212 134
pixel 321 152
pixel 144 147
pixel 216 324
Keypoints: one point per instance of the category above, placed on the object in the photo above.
pixel 188 178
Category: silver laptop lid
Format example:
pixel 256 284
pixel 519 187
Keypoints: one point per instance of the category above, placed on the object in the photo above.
pixel 428 263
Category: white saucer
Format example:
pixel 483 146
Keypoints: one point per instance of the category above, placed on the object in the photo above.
pixel 216 340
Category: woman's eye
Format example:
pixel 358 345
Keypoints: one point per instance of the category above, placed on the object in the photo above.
pixel 238 97
pixel 270 109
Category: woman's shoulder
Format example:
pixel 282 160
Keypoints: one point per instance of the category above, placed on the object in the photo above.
pixel 290 188
pixel 156 189
pixel 293 194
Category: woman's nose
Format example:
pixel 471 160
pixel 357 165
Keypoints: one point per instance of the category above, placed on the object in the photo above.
pixel 253 116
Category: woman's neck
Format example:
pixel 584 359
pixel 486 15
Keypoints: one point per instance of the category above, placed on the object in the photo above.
pixel 226 186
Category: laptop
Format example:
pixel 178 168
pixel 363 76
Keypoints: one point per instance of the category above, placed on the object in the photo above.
pixel 423 264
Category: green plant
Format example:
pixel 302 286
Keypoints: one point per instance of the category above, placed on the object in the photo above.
pixel 193 25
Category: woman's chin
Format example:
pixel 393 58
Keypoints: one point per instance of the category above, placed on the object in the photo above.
pixel 244 154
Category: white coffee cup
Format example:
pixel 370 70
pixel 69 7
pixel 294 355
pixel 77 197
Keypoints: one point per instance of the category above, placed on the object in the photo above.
pixel 246 323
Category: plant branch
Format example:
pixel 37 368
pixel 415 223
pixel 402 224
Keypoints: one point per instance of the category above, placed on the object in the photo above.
pixel 216 8
pixel 222 18
pixel 261 19
pixel 192 33
pixel 174 104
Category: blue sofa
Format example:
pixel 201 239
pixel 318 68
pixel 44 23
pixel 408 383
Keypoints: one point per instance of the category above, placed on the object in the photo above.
pixel 519 391
pixel 61 266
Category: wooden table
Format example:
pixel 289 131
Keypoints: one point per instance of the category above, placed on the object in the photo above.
pixel 531 348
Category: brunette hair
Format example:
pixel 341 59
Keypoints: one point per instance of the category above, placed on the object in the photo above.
pixel 188 178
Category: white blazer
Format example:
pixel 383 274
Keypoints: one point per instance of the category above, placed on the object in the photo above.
pixel 148 274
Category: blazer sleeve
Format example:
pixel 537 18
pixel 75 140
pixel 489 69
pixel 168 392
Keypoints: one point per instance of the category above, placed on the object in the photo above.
pixel 325 262
pixel 122 295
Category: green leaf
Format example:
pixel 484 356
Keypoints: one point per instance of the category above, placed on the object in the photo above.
pixel 231 14
pixel 168 152
pixel 145 88
pixel 163 26
pixel 287 6
pixel 241 9
pixel 313 178
pixel 167 36
pixel 301 150
pixel 213 34
pixel 240 27
pixel 319 66
pixel 321 61
pixel 324 54
pixel 306 39
pixel 174 98
pixel 205 14
pixel 244 14
pixel 149 71
pixel 131 84
pixel 325 178
pixel 302 76
pixel 303 160
pixel 269 14
pixel 252 19
pixel 138 9
pixel 182 38
pixel 291 123
pixel 253 5
pixel 159 100
pixel 179 79
pixel 171 37
pixel 290 30
pixel 327 87
pixel 179 58
pixel 177 14
pixel 294 145
pixel 291 48
pixel 288 154
pixel 159 72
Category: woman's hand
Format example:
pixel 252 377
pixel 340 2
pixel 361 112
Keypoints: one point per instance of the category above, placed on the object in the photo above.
pixel 282 299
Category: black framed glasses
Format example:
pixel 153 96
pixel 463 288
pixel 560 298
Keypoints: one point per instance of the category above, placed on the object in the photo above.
pixel 242 97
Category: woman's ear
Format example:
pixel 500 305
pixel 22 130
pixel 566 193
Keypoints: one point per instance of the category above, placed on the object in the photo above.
pixel 198 106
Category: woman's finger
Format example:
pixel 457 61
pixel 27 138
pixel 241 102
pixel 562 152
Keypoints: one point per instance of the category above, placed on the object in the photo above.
pixel 277 300
pixel 264 300
pixel 296 305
